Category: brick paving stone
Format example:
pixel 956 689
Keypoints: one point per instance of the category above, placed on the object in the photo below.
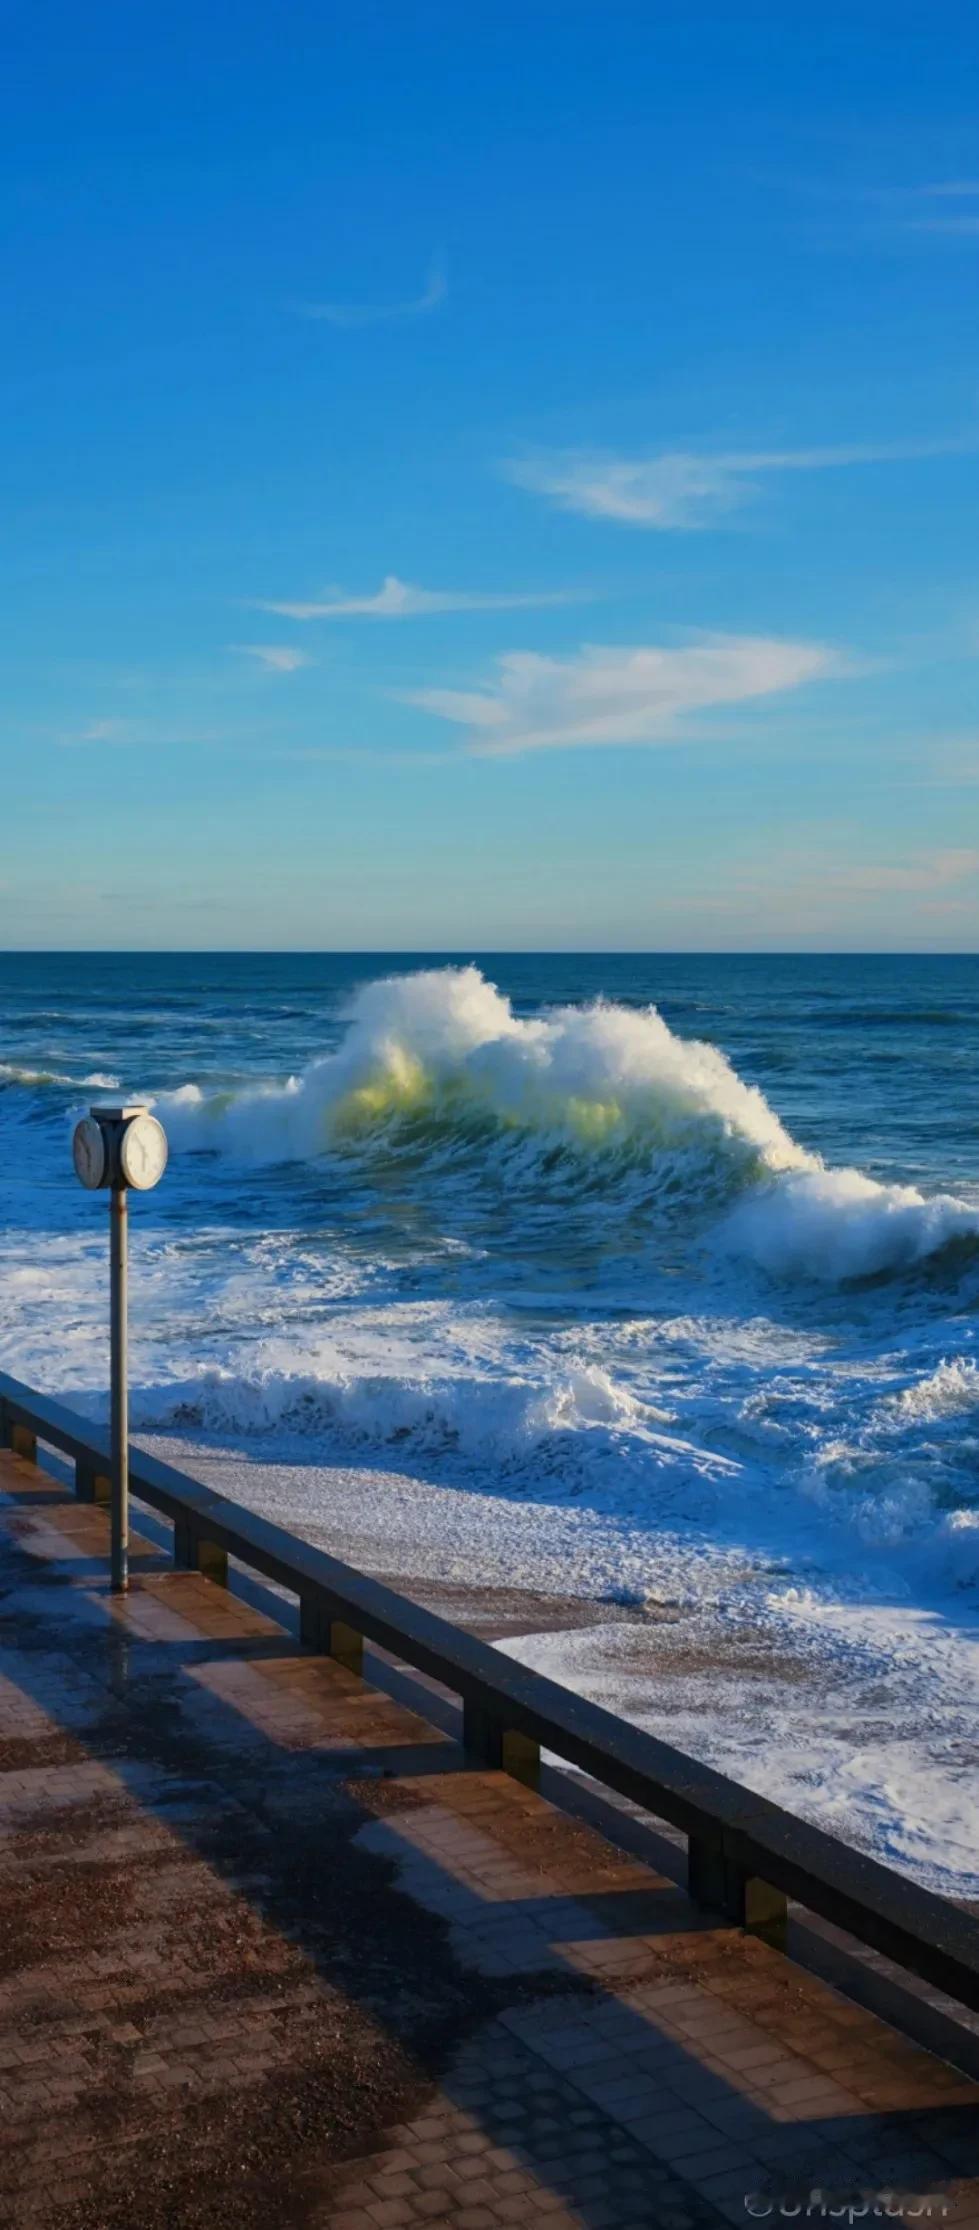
pixel 163 1968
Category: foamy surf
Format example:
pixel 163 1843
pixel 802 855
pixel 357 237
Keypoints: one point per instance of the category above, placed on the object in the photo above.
pixel 836 1224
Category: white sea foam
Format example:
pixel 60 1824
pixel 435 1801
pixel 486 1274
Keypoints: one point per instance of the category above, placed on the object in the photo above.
pixel 835 1732
pixel 832 1224
pixel 562 1424
pixel 951 1390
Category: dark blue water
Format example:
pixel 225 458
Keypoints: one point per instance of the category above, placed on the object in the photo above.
pixel 636 1276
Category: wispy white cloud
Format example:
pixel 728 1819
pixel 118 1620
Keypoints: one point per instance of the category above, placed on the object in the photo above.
pixel 277 658
pixel 614 696
pixel 681 489
pixel 809 888
pixel 836 211
pixel 398 600
pixel 963 226
pixel 348 316
pixel 922 872
pixel 954 765
pixel 98 731
pixel 949 205
pixel 886 214
pixel 136 735
pixel 947 189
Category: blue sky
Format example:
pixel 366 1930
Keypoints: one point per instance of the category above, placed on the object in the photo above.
pixel 491 477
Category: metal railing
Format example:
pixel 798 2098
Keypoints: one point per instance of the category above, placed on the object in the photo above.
pixel 746 1856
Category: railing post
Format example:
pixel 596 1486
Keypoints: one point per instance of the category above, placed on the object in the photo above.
pixel 329 1637
pixel 347 1646
pixel 715 1879
pixel 482 1734
pixel 314 1625
pixel 212 1561
pixel 490 1743
pixel 20 1439
pixel 194 1552
pixel 184 1545
pixel 91 1485
pixel 521 1756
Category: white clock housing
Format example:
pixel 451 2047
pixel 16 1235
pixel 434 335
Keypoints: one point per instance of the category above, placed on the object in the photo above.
pixel 143 1153
pixel 88 1153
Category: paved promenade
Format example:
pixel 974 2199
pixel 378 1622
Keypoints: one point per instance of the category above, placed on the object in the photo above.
pixel 272 1955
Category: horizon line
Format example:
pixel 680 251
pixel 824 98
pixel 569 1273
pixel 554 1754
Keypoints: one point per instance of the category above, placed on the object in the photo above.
pixel 515 952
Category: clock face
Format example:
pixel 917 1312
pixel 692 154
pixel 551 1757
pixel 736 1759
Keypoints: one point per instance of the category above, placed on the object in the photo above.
pixel 88 1153
pixel 143 1154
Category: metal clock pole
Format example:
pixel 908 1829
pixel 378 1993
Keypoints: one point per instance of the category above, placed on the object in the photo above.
pixel 115 1148
pixel 119 1353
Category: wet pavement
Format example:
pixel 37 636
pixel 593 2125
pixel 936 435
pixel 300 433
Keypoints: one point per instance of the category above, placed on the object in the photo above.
pixel 273 1954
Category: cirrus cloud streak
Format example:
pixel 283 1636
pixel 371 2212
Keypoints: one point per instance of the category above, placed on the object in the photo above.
pixel 399 600
pixel 349 317
pixel 681 489
pixel 608 696
pixel 276 658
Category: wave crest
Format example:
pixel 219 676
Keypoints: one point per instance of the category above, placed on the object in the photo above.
pixel 438 1063
pixel 443 1053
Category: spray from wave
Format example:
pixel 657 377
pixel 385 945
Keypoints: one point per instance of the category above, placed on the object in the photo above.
pixel 602 1096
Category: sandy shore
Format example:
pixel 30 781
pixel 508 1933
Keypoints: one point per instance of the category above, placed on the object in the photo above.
pixel 366 1515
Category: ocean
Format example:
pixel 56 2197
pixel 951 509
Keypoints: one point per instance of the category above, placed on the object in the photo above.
pixel 650 1281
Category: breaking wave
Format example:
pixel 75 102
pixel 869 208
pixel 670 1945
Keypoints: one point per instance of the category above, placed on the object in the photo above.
pixel 36 1079
pixel 603 1097
pixel 496 1417
pixel 441 1055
